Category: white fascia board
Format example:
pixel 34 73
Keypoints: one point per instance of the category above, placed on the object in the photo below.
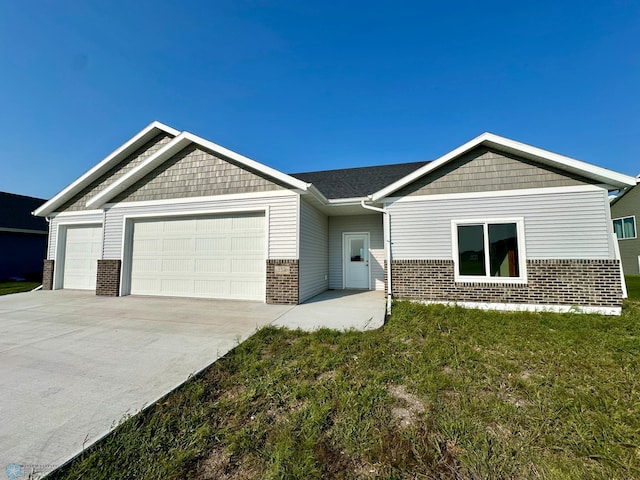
pixel 600 174
pixel 113 158
pixel 172 148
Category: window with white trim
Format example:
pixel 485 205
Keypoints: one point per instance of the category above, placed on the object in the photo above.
pixel 625 227
pixel 489 251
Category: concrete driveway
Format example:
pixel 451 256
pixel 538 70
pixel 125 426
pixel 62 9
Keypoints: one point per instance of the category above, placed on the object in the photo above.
pixel 73 364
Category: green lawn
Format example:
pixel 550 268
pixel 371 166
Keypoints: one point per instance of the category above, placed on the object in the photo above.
pixel 633 287
pixel 438 392
pixel 17 287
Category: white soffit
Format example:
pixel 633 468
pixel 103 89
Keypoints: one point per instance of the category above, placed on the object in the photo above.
pixel 602 175
pixel 172 148
pixel 142 137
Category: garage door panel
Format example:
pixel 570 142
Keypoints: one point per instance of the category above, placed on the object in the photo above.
pixel 247 244
pixel 212 244
pixel 177 265
pixel 246 265
pixel 217 288
pixel 212 265
pixel 214 257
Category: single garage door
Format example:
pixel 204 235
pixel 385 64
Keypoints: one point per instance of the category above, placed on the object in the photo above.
pixel 220 256
pixel 83 247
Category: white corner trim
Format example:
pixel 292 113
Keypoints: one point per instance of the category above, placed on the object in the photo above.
pixel 172 148
pixel 603 175
pixel 93 173
pixel 528 307
pixel 495 193
pixel 210 198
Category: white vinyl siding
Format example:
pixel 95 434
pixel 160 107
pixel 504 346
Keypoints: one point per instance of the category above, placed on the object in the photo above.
pixel 281 222
pixel 360 223
pixel 56 221
pixel 566 225
pixel 79 263
pixel 314 251
pixel 221 256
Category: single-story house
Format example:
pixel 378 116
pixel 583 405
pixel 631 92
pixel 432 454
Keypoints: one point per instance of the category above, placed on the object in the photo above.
pixel 23 237
pixel 625 208
pixel 493 223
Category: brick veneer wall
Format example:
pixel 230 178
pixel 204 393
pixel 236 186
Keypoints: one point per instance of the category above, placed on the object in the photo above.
pixel 549 282
pixel 47 275
pixel 282 282
pixel 108 278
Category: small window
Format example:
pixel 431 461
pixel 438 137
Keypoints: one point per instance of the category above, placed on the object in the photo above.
pixel 625 227
pixel 489 251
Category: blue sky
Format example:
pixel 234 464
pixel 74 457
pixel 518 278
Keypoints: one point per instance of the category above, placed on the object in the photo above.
pixel 315 85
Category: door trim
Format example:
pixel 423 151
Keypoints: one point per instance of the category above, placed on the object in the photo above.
pixel 343 256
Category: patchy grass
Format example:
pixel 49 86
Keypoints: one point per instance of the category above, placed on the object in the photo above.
pixel 633 287
pixel 17 287
pixel 438 392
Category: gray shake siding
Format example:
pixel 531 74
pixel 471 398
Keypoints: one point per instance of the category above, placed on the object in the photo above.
pixel 483 170
pixel 79 201
pixel 314 251
pixel 360 223
pixel 421 227
pixel 195 173
pixel 629 205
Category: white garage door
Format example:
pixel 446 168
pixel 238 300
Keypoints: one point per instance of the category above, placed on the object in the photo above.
pixel 220 256
pixel 83 247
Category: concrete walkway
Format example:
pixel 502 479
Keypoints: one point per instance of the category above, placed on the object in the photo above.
pixel 337 309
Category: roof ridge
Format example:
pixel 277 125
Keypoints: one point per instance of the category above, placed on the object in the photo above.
pixel 421 162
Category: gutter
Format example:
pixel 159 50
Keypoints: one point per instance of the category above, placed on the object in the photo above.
pixel 387 240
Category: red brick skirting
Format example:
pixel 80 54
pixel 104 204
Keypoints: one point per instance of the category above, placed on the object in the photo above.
pixel 47 275
pixel 108 278
pixel 282 282
pixel 549 282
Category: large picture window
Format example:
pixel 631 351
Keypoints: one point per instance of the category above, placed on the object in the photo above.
pixel 625 227
pixel 489 250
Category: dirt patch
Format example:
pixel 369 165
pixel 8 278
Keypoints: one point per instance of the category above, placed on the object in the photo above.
pixel 413 406
pixel 514 399
pixel 499 431
pixel 234 393
pixel 447 370
pixel 219 466
pixel 327 376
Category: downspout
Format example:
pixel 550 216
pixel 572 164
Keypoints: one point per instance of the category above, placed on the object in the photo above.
pixel 387 240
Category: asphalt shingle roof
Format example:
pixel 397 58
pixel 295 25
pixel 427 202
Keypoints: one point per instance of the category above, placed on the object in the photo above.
pixel 15 212
pixel 357 182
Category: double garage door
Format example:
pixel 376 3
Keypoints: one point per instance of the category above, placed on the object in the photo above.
pixel 221 256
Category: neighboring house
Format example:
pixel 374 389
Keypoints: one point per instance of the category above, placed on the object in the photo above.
pixel 493 223
pixel 625 212
pixel 23 237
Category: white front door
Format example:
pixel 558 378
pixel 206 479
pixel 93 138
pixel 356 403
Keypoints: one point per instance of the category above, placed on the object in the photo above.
pixel 355 248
